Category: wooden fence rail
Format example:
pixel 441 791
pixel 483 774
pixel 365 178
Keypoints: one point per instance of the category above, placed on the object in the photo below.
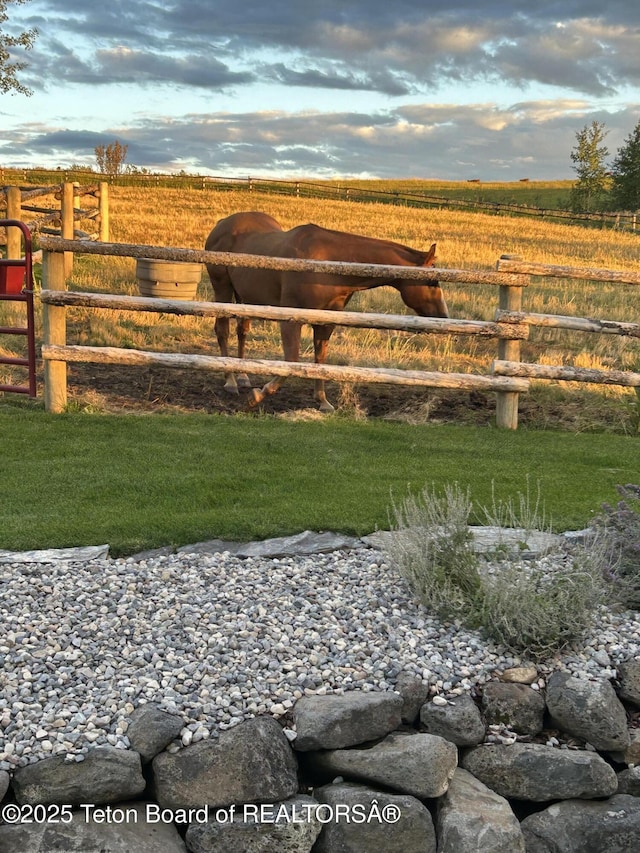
pixel 508 377
pixel 55 300
pixel 236 259
pixel 567 373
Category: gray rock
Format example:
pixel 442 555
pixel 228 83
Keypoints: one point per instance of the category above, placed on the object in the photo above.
pixel 516 541
pixel 107 775
pixel 5 779
pixel 416 764
pixel 588 709
pixel 414 691
pixel 459 721
pixel 474 819
pixel 333 722
pixel 286 827
pixel 111 829
pixel 630 755
pixel 578 826
pixel 151 729
pixel 516 706
pixel 532 771
pixel 629 690
pixel 299 544
pixel 519 675
pixel 250 763
pixel 373 821
pixel 629 781
pixel 82 554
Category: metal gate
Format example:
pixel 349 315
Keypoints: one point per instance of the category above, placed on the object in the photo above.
pixel 16 285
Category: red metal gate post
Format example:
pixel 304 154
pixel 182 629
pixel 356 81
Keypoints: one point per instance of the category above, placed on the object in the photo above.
pixel 16 285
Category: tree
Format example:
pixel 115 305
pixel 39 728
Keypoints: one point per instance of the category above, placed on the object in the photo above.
pixel 625 174
pixel 9 69
pixel 588 158
pixel 111 158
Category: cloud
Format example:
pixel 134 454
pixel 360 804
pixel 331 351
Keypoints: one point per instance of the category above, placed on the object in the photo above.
pixel 419 140
pixel 367 44
pixel 404 88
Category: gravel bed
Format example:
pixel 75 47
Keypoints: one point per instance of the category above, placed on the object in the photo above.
pixel 218 639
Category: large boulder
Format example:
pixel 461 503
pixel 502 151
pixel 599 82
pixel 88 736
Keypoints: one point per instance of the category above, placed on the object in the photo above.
pixel 250 763
pixel 417 764
pixel 532 771
pixel 151 729
pixel 358 819
pixel 112 829
pixel 474 819
pixel 286 827
pixel 576 826
pixel 414 692
pixel 629 675
pixel 334 722
pixel 107 775
pixel 588 709
pixel 458 720
pixel 516 706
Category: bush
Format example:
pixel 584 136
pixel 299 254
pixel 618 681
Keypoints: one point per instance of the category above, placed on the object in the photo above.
pixel 432 547
pixel 617 528
pixel 534 608
pixel 538 612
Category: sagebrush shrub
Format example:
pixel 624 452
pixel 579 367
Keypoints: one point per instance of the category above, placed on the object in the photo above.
pixel 618 529
pixel 532 608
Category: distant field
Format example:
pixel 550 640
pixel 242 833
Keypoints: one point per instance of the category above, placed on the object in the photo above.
pixel 183 217
pixel 544 194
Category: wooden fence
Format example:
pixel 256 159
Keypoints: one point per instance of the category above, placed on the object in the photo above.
pixel 508 377
pixel 623 220
pixel 60 220
pixel 568 373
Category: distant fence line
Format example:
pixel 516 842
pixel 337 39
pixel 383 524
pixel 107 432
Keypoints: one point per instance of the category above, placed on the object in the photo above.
pixel 508 377
pixel 623 220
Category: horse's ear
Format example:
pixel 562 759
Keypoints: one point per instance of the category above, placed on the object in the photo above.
pixel 431 256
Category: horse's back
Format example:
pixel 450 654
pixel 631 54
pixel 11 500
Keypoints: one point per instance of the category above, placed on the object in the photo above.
pixel 313 241
pixel 228 231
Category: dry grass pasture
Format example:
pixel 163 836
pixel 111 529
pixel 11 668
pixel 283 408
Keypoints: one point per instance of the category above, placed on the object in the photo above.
pixel 183 218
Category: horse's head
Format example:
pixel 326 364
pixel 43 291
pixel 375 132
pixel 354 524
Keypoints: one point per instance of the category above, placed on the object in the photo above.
pixel 425 298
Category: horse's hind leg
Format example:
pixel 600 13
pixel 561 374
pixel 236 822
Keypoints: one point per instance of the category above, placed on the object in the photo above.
pixel 223 292
pixel 221 327
pixel 321 335
pixel 242 328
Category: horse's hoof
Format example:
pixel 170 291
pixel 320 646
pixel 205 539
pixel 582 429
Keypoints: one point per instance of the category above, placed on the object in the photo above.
pixel 325 407
pixel 243 380
pixel 231 388
pixel 254 398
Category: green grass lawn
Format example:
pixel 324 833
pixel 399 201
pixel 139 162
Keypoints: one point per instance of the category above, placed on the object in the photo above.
pixel 143 481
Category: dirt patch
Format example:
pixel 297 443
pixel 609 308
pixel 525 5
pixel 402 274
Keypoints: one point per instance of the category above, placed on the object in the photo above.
pixel 155 389
pixel 121 390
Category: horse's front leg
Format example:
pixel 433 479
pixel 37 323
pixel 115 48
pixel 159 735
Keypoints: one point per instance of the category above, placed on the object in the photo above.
pixel 290 332
pixel 222 334
pixel 321 335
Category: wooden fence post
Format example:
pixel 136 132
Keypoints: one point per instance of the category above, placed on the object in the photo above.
pixel 68 222
pixel 103 203
pixel 14 211
pixel 507 401
pixel 54 332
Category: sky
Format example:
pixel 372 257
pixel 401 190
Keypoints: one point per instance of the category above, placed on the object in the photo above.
pixel 431 89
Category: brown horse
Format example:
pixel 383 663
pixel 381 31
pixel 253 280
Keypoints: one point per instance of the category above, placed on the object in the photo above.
pixel 257 233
